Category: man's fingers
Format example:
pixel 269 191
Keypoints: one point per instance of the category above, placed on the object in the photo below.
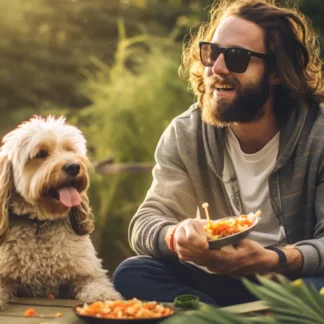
pixel 186 254
pixel 191 235
pixel 199 227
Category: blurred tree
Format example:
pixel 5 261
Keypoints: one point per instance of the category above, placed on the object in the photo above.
pixel 314 9
pixel 44 44
pixel 129 111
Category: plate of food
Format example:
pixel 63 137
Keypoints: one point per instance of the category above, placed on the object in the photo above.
pixel 124 311
pixel 229 230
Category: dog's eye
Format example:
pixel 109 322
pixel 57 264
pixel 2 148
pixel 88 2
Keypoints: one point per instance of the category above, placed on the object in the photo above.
pixel 41 154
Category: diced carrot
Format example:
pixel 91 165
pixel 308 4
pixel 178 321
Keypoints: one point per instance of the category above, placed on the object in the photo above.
pixel 30 312
pixel 228 227
pixel 125 309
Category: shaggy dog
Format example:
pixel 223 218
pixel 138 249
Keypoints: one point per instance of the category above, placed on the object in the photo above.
pixel 45 216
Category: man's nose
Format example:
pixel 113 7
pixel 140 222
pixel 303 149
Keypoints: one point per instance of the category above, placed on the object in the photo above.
pixel 219 66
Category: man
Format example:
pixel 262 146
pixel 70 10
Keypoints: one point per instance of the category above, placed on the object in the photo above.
pixel 253 140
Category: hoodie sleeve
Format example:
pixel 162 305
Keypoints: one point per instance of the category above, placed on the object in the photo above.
pixel 313 249
pixel 170 199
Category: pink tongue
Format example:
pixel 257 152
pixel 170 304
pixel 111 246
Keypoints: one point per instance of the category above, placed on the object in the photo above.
pixel 69 197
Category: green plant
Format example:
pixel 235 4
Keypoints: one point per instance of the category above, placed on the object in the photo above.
pixel 132 102
pixel 289 303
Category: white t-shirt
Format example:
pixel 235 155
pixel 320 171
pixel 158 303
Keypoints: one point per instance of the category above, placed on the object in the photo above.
pixel 252 171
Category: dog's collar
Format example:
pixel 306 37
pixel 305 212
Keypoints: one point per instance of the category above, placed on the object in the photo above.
pixel 26 219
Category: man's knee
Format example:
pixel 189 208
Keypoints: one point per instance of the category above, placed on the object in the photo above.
pixel 129 274
pixel 130 268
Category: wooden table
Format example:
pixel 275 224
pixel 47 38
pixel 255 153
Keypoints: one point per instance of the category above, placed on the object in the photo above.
pixel 14 314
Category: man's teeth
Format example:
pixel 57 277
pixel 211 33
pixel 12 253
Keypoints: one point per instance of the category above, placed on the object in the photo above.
pixel 224 87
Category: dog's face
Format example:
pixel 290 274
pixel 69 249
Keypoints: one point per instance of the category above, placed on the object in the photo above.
pixel 49 165
pixel 43 161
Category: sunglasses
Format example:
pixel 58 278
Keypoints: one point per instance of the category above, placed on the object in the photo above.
pixel 236 59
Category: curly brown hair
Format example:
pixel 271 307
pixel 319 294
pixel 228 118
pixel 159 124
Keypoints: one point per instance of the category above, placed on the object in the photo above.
pixel 289 38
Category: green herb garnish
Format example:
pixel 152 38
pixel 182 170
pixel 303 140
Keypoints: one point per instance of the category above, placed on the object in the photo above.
pixel 186 301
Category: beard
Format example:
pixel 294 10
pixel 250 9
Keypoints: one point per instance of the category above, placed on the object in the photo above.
pixel 246 107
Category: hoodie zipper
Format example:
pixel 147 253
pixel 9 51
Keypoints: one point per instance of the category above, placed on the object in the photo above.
pixel 280 211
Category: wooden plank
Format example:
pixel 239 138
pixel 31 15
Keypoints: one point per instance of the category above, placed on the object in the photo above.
pixel 46 302
pixel 116 168
pixel 14 314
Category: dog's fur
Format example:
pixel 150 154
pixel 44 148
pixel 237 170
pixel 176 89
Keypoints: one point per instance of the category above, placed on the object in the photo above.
pixel 44 245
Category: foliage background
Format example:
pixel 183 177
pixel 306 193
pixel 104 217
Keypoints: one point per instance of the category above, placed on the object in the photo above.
pixel 112 68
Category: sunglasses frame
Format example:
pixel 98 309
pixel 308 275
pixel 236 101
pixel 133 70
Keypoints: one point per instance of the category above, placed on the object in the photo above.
pixel 224 50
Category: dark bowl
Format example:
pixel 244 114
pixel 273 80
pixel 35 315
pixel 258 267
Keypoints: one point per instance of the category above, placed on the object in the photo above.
pixel 231 239
pixel 92 319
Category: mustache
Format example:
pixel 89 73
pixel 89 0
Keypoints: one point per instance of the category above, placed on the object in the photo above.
pixel 229 80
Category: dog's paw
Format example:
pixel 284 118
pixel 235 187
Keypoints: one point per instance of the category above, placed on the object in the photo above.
pixel 115 295
pixel 3 304
pixel 4 297
pixel 92 295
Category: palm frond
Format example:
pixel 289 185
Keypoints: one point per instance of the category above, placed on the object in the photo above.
pixel 294 301
pixel 289 302
pixel 210 314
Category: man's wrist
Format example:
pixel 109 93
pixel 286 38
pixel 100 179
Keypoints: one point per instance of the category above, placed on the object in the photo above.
pixel 271 261
pixel 288 260
pixel 281 260
pixel 294 259
pixel 169 238
pixel 163 250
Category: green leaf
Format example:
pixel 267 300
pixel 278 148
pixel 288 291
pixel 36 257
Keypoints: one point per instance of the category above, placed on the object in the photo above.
pixel 309 295
pixel 294 313
pixel 282 299
pixel 276 288
pixel 284 319
pixel 283 280
pixel 209 314
pixel 269 296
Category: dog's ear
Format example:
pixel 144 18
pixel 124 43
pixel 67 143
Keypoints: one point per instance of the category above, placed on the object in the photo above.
pixel 5 186
pixel 81 218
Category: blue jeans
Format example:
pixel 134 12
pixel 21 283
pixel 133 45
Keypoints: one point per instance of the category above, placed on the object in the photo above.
pixel 150 279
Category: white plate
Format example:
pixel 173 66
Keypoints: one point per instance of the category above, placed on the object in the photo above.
pixel 234 238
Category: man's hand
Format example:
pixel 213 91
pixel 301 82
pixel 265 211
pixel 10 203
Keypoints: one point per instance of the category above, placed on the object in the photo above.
pixel 190 239
pixel 248 257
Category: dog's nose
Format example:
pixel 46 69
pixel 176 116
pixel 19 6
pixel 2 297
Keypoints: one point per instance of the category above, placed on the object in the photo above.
pixel 72 169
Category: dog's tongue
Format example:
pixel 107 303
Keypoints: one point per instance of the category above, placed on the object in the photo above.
pixel 69 197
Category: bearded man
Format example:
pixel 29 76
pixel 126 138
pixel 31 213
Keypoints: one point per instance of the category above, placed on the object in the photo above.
pixel 253 140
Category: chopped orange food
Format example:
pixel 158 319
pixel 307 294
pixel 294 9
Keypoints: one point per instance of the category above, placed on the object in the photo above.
pixel 125 309
pixel 225 227
pixel 30 312
pixel 58 314
pixel 50 296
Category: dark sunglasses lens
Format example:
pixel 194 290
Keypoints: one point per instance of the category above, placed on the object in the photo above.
pixel 237 60
pixel 209 54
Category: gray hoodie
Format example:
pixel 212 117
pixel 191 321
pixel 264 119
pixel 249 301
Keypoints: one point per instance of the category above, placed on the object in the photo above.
pixel 190 170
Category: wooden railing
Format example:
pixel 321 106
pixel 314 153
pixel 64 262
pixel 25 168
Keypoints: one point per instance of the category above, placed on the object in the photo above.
pixel 115 168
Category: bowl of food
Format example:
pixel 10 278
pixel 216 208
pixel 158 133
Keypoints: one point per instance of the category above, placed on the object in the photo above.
pixel 230 230
pixel 123 311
